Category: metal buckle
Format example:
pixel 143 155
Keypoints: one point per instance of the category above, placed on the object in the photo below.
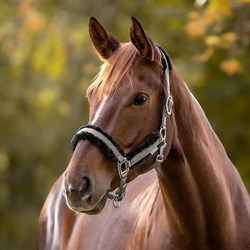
pixel 169 105
pixel 159 159
pixel 160 156
pixel 119 194
pixel 123 168
pixel 116 202
pixel 163 132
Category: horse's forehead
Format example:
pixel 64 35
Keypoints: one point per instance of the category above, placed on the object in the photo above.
pixel 136 80
pixel 116 83
pixel 149 77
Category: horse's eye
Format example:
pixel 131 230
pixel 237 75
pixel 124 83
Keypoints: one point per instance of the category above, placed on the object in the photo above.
pixel 140 99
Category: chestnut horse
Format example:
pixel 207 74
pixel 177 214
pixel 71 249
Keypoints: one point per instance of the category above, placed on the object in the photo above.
pixel 143 117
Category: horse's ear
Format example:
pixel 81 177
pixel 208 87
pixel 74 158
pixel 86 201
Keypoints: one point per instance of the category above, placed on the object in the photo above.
pixel 141 41
pixel 104 43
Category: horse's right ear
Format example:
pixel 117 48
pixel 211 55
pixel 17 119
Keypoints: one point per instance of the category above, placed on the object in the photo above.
pixel 104 43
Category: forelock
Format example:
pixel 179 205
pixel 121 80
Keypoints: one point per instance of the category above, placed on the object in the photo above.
pixel 114 71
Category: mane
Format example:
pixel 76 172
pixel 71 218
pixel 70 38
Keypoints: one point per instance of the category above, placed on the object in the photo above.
pixel 114 71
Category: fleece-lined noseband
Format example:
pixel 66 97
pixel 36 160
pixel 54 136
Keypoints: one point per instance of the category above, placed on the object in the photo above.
pixel 111 149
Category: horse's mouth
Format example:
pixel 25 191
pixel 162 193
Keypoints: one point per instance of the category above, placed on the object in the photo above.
pixel 87 206
pixel 98 208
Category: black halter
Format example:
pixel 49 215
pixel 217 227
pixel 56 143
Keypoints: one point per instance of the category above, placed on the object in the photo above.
pixel 111 149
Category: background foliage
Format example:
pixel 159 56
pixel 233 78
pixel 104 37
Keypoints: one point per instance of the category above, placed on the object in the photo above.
pixel 47 62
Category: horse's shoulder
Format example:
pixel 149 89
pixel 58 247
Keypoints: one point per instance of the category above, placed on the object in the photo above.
pixel 55 219
pixel 50 202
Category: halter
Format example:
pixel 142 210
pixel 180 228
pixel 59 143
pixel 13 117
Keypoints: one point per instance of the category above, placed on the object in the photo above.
pixel 110 148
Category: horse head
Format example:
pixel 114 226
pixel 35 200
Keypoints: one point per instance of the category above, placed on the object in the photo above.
pixel 126 101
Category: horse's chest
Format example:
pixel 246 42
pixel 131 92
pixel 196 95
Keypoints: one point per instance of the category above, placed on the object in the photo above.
pixel 121 229
pixel 140 223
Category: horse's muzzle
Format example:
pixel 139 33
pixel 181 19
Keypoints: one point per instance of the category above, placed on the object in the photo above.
pixel 79 196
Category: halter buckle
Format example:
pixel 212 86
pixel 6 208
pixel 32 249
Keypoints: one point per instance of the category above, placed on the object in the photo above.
pixel 119 194
pixel 160 156
pixel 123 168
pixel 163 132
pixel 116 202
pixel 169 105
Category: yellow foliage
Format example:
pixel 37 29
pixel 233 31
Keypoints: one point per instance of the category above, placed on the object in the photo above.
pixel 228 39
pixel 34 22
pixel 231 67
pixel 45 99
pixel 193 15
pixel 24 8
pixel 217 10
pixel 224 41
pixel 203 57
pixel 195 29
pixel 49 57
pixel 213 41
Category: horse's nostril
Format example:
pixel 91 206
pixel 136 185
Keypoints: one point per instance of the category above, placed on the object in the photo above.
pixel 85 187
pixel 79 190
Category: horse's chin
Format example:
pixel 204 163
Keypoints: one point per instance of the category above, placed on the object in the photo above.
pixel 88 207
pixel 98 208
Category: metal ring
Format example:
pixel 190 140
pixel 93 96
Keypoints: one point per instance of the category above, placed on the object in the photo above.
pixel 163 132
pixel 116 203
pixel 169 105
pixel 159 158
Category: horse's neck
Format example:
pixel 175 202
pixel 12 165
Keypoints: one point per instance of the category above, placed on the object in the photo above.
pixel 198 181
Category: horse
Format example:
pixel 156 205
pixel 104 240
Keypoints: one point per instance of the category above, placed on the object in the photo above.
pixel 149 148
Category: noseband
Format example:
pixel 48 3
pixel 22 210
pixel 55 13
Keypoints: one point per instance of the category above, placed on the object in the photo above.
pixel 110 148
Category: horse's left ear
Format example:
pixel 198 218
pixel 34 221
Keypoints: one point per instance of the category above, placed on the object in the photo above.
pixel 104 43
pixel 141 41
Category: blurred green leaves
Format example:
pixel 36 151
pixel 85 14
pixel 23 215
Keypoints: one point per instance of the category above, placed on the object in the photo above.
pixel 47 63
